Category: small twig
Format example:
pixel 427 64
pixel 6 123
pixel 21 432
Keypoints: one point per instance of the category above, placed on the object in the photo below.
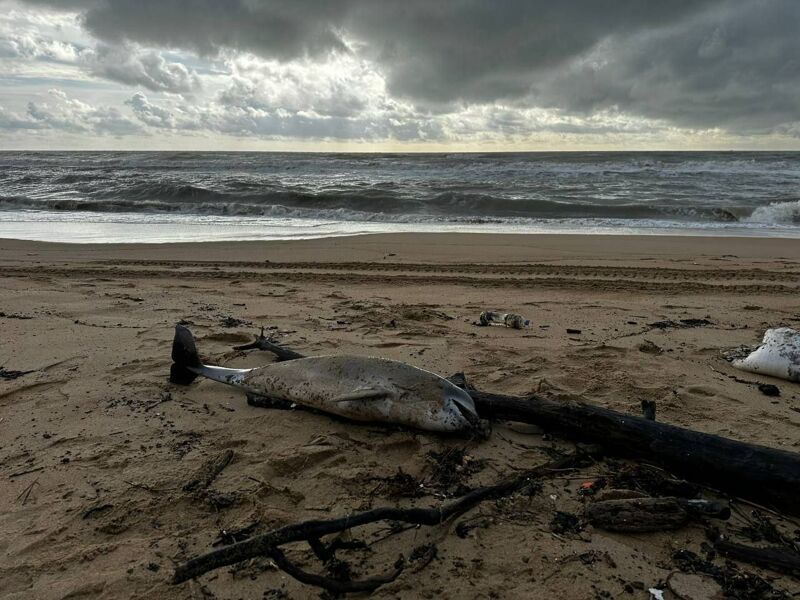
pixel 26 472
pixel 771 511
pixel 27 491
pixel 209 471
pixel 165 397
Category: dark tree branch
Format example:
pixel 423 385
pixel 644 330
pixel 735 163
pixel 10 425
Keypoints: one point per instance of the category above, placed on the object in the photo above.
pixel 262 343
pixel 335 586
pixel 316 529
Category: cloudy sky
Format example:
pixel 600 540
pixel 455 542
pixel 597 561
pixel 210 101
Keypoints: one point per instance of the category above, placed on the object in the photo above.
pixel 400 75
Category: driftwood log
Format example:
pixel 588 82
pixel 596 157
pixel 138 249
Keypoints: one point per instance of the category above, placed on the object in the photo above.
pixel 650 514
pixel 776 558
pixel 750 471
pixel 757 473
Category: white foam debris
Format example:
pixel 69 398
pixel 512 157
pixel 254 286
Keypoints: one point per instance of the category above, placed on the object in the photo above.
pixel 778 355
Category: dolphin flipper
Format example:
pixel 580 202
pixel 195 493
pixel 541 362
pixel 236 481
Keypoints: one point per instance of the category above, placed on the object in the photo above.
pixel 362 394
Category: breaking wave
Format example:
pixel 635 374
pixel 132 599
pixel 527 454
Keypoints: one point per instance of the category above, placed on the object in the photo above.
pixel 746 189
pixel 777 213
pixel 446 207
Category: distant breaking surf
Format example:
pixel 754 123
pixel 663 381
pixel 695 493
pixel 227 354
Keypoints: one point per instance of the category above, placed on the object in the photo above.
pixel 757 193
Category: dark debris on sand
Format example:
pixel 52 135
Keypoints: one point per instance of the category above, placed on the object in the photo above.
pixel 736 584
pixel 762 529
pixel 229 321
pixel 401 485
pixel 564 522
pixel 8 374
pixel 450 469
pixel 650 480
pixel 680 324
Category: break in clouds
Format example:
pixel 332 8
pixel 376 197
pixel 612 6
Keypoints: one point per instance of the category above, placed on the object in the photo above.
pixel 413 71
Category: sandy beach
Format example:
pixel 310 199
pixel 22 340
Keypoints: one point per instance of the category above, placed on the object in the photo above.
pixel 96 445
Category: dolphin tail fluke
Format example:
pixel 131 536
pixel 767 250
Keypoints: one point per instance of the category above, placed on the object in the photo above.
pixel 185 360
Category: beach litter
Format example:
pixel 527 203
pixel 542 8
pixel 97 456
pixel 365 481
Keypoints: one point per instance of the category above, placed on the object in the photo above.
pixel 680 324
pixel 778 355
pixel 493 317
pixel 656 594
pixel 769 389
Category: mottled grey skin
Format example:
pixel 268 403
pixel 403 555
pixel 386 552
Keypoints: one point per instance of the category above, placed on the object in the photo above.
pixel 356 387
pixel 361 389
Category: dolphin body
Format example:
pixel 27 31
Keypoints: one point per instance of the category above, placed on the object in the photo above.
pixel 778 355
pixel 355 387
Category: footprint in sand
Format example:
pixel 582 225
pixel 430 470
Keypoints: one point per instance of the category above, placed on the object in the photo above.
pixel 229 338
pixel 701 390
pixel 12 396
pixel 296 460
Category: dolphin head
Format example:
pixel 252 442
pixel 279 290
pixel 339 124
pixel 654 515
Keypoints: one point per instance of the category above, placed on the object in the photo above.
pixel 461 415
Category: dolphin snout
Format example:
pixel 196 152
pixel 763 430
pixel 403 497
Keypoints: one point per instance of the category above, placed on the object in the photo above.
pixel 466 410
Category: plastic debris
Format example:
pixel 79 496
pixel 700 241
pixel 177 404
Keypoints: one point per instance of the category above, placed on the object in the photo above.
pixel 778 355
pixel 515 321
pixel 656 594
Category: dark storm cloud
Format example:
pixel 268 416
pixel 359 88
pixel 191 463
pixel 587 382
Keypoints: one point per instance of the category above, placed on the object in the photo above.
pixel 483 50
pixel 737 67
pixel 440 51
pixel 702 63
pixel 283 28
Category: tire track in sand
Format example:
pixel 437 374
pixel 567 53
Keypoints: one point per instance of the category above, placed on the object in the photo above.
pixel 564 277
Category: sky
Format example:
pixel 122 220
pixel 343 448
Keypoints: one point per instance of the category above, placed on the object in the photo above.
pixel 410 75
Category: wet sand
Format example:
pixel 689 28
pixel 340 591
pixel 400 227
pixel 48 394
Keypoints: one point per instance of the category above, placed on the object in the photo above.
pixel 95 444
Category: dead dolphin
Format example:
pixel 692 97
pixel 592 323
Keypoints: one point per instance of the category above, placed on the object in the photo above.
pixel 355 387
pixel 778 355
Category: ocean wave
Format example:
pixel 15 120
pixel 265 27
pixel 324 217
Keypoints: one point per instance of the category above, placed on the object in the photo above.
pixel 453 208
pixel 480 188
pixel 777 213
pixel 78 178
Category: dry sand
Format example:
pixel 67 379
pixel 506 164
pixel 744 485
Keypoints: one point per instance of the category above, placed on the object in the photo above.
pixel 95 445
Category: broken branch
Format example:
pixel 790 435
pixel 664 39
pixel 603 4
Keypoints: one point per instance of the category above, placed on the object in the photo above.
pixel 262 343
pixel 335 586
pixel 307 530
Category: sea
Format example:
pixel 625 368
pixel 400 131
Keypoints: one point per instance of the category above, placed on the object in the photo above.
pixel 106 197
